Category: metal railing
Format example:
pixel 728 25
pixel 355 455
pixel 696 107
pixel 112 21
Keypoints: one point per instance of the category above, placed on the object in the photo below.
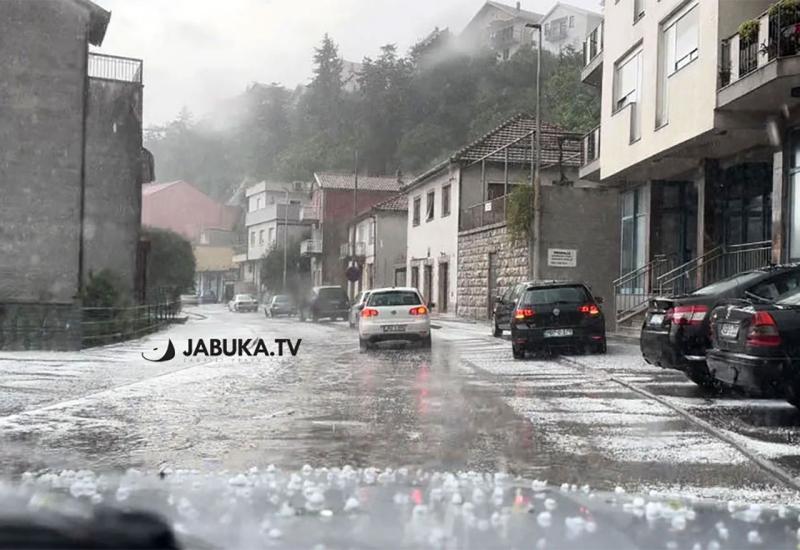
pixel 107 325
pixel 593 45
pixel 590 146
pixel 310 247
pixel 112 67
pixel 309 214
pixel 633 290
pixel 777 36
pixel 485 213
pixel 346 250
pixel 717 264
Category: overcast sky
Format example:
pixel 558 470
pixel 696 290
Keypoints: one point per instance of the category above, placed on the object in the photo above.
pixel 198 52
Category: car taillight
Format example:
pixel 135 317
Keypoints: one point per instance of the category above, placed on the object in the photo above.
pixel 591 310
pixel 421 310
pixel 369 312
pixel 763 331
pixel 687 315
pixel 524 314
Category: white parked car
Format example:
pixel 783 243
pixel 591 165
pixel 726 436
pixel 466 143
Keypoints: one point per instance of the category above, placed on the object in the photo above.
pixel 394 314
pixel 355 309
pixel 243 302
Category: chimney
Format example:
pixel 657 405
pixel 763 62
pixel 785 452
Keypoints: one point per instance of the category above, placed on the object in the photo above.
pixel 519 6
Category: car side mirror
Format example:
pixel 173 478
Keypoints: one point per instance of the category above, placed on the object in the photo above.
pixel 360 307
pixel 599 299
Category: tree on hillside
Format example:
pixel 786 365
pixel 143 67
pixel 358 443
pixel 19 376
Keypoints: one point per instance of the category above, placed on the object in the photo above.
pixel 325 91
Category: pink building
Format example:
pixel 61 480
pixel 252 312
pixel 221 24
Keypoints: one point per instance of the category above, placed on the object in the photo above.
pixel 183 208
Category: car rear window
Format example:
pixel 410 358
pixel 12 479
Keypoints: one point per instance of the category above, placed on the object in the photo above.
pixel 791 298
pixel 281 299
pixel 243 297
pixel 332 294
pixel 394 298
pixel 728 284
pixel 556 295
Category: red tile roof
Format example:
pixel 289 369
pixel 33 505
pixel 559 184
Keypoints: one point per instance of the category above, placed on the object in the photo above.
pixel 396 203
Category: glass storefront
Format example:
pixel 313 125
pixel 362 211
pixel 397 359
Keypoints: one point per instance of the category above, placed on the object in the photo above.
pixel 743 204
pixel 634 230
pixel 793 232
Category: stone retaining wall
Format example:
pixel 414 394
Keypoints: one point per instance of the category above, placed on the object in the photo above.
pixel 54 327
pixel 474 248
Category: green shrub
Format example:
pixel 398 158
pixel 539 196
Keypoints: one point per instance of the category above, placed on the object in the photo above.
pixel 519 212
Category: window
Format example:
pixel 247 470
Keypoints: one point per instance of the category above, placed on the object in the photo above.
pixel 415 277
pixel 417 208
pixel 681 38
pixel 371 233
pixel 638 10
pixel 252 238
pixel 429 205
pixel 626 80
pixel 446 200
pixel 261 237
pixel 571 21
pixel 258 203
pixel 271 235
pixel 634 226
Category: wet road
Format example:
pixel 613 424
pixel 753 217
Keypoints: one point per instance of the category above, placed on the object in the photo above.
pixel 464 405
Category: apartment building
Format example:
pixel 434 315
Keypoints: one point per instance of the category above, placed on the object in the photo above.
pixel 566 26
pixel 335 200
pixel 699 110
pixel 273 218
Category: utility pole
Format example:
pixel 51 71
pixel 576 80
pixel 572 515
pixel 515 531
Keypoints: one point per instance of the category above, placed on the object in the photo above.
pixel 355 214
pixel 285 235
pixel 536 158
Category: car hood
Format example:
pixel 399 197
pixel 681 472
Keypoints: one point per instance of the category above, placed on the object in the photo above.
pixel 370 508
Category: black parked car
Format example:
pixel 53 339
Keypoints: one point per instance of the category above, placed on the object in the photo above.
pixel 675 334
pixel 325 302
pixel 557 315
pixel 504 307
pixel 279 305
pixel 756 346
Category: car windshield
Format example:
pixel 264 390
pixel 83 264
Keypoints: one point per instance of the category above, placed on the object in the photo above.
pixel 332 294
pixel 285 274
pixel 394 298
pixel 555 295
pixel 728 284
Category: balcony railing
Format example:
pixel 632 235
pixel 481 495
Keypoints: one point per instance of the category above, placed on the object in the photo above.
pixel 346 250
pixel 112 67
pixel 483 214
pixel 273 212
pixel 593 45
pixel 310 247
pixel 590 146
pixel 309 214
pixel 776 35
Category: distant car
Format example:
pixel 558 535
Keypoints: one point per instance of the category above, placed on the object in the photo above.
pixel 557 315
pixel 243 303
pixel 208 297
pixel 675 334
pixel 280 305
pixel 325 302
pixel 756 346
pixel 504 308
pixel 394 314
pixel 355 309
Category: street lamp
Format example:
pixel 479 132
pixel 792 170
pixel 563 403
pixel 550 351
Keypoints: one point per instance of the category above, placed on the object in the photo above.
pixel 537 181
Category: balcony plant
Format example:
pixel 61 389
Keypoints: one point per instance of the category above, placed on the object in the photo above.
pixel 784 17
pixel 519 212
pixel 748 30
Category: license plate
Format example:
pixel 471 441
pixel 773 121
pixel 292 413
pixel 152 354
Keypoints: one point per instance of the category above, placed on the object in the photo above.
pixel 657 320
pixel 558 333
pixel 394 328
pixel 729 330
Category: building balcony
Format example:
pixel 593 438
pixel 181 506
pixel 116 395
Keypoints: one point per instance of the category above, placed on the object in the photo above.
pixel 590 156
pixel 762 69
pixel 483 214
pixel 310 214
pixel 592 72
pixel 362 250
pixel 311 247
pixel 274 212
pixel 112 67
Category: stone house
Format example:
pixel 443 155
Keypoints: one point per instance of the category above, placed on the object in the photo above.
pixel 459 252
pixel 71 167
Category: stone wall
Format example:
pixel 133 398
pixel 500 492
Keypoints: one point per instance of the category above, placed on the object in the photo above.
pixel 40 327
pixel 474 249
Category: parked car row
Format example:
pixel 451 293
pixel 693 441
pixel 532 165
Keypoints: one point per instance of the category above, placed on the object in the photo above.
pixel 742 332
pixel 546 316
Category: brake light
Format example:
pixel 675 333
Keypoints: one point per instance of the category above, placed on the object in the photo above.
pixel 369 312
pixel 763 331
pixel 687 315
pixel 524 314
pixel 421 310
pixel 590 309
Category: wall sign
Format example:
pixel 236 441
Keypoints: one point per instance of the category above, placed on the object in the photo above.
pixel 562 257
